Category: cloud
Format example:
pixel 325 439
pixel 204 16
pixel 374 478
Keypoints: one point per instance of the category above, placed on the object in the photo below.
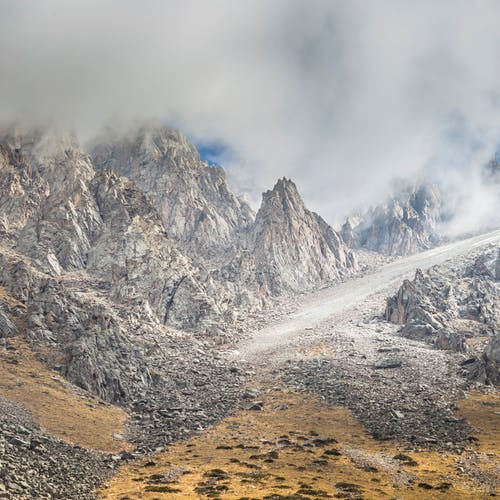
pixel 341 96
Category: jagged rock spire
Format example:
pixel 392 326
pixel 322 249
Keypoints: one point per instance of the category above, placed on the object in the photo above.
pixel 294 247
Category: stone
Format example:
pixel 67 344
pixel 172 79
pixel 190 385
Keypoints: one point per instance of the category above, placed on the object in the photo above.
pixel 251 393
pixel 256 406
pixel 387 363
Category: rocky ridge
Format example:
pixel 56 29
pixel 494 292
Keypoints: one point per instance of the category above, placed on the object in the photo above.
pixel 198 209
pixel 294 248
pixel 217 229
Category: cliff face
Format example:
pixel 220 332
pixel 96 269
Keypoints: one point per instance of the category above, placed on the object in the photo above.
pixel 199 211
pixel 252 258
pixel 405 224
pixel 293 247
pixel 69 218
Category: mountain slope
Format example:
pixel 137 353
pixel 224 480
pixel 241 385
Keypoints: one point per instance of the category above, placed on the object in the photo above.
pixel 90 259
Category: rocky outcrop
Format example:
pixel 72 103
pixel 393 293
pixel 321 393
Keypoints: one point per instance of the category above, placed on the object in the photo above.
pixel 486 367
pixel 199 211
pixel 456 309
pixel 89 342
pixel 421 301
pixel 491 360
pixel 144 268
pixel 7 326
pixel 405 224
pixel 88 259
pixel 294 248
pixel 44 196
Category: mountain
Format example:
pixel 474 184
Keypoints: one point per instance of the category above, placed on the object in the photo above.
pixel 100 261
pixel 253 257
pixel 295 248
pixel 406 223
pixel 128 273
pixel 199 211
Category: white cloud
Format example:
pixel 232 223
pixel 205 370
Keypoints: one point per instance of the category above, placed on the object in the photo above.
pixel 341 96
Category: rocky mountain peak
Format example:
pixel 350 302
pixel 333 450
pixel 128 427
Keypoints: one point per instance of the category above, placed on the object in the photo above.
pixel 198 209
pixel 404 224
pixel 43 143
pixel 35 164
pixel 283 199
pixel 146 143
pixel 294 247
pixel 286 187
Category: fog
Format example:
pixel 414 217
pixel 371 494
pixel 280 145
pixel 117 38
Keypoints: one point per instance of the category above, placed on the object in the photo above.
pixel 340 96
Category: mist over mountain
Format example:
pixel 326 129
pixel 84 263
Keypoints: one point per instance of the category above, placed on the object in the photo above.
pixel 341 97
pixel 249 249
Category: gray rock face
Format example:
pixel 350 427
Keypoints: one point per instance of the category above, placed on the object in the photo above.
pixel 88 257
pixel 497 267
pixel 44 196
pixel 456 309
pixel 134 254
pixel 420 302
pixel 491 360
pixel 105 225
pixel 404 225
pixel 84 333
pixel 7 327
pixel 294 248
pixel 486 367
pixel 199 211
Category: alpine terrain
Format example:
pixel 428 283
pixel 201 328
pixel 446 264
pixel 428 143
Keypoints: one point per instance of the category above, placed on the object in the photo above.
pixel 160 339
pixel 249 250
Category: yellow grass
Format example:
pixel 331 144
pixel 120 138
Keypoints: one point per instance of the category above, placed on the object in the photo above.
pixel 60 408
pixel 243 458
